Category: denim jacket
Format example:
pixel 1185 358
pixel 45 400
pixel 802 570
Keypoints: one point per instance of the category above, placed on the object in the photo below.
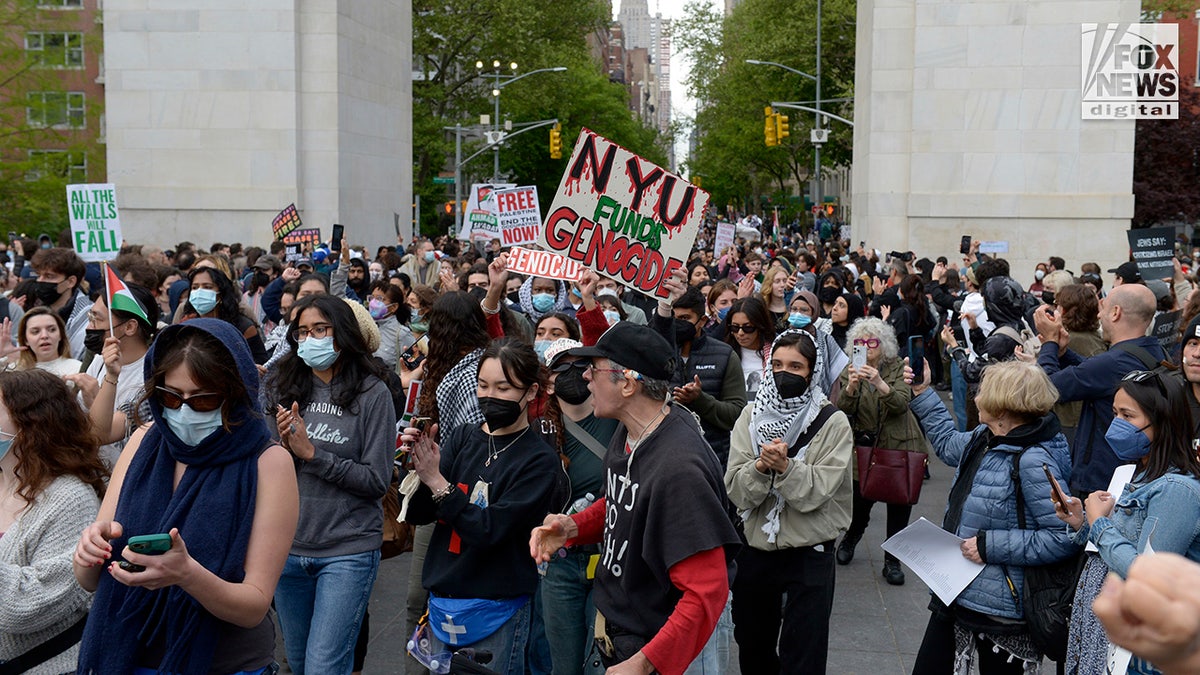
pixel 1163 513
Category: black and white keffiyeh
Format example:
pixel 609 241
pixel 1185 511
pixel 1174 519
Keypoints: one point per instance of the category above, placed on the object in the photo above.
pixel 525 295
pixel 456 399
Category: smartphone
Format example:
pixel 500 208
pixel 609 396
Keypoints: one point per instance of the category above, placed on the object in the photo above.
pixel 1057 491
pixel 335 239
pixel 150 544
pixel 12 236
pixel 916 358
pixel 964 247
pixel 421 424
pixel 859 356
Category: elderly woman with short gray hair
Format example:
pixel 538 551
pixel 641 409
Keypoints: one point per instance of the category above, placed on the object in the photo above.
pixel 875 398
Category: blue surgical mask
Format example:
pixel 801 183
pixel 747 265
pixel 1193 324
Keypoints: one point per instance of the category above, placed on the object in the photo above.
pixel 722 313
pixel 543 302
pixel 190 426
pixel 540 346
pixel 612 315
pixel 318 353
pixel 203 300
pixel 1128 442
pixel 6 441
pixel 430 256
pixel 798 320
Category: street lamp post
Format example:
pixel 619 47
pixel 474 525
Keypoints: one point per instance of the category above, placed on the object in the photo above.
pixel 816 186
pixel 500 81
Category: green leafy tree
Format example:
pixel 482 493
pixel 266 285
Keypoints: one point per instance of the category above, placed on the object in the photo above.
pixel 1166 166
pixel 731 156
pixel 34 119
pixel 450 37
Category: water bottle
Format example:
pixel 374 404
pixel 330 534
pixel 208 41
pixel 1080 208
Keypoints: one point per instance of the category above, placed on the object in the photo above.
pixel 581 504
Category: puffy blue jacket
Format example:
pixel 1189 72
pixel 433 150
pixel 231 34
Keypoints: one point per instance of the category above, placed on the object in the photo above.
pixel 989 510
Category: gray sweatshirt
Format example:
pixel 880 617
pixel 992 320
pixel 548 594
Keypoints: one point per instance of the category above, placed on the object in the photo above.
pixel 341 488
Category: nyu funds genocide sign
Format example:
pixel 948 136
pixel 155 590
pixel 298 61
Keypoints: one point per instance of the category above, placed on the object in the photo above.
pixel 623 216
pixel 1130 71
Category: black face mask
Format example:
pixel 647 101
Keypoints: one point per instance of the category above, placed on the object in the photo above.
pixel 499 412
pixel 93 339
pixel 47 292
pixel 790 385
pixel 829 294
pixel 571 387
pixel 514 297
pixel 261 279
pixel 1048 297
pixel 685 331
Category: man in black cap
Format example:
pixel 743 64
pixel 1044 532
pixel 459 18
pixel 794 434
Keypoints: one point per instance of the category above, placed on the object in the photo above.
pixel 1127 273
pixel 1191 373
pixel 667 542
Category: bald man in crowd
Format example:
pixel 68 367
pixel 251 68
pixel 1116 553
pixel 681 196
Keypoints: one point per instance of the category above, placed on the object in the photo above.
pixel 1124 317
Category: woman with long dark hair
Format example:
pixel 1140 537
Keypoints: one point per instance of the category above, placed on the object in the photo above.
pixel 51 484
pixel 212 295
pixel 750 330
pixel 1159 509
pixel 912 317
pixel 207 474
pixel 478 559
pixel 335 415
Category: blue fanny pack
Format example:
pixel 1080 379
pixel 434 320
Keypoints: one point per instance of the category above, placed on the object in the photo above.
pixel 460 622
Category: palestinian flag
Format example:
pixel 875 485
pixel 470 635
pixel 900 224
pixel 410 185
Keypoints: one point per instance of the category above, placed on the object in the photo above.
pixel 121 299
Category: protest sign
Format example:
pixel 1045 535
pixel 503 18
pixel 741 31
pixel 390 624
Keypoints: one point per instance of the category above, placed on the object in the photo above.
pixel 292 253
pixel 518 215
pixel 543 264
pixel 480 221
pixel 622 216
pixel 287 220
pixel 993 247
pixel 724 238
pixel 1153 251
pixel 1166 329
pixel 95 223
pixel 307 238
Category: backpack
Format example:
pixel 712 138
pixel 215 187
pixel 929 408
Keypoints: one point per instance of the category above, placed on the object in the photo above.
pixel 1049 590
pixel 1028 341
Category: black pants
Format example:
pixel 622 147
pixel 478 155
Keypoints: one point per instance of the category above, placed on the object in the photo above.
pixel 763 623
pixel 936 656
pixel 897 517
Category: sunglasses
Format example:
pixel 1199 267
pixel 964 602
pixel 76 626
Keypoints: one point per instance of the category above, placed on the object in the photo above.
pixel 198 402
pixel 563 367
pixel 747 329
pixel 1139 375
pixel 870 343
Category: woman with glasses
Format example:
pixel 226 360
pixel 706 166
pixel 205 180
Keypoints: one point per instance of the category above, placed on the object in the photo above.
pixel 206 474
pixel 875 398
pixel 1159 509
pixel 485 487
pixel 335 414
pixel 212 295
pixel 750 330
pixel 1016 444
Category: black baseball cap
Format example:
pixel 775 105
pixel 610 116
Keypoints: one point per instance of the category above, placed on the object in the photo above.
pixel 1128 272
pixel 638 347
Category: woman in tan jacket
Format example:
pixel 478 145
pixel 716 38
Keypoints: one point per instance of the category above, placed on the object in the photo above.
pixel 875 398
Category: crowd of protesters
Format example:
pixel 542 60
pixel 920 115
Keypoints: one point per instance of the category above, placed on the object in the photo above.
pixel 595 479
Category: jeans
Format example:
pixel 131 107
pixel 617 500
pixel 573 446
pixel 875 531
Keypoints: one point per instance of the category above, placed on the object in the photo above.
pixel 800 632
pixel 714 658
pixel 320 602
pixel 537 651
pixel 507 644
pixel 568 611
pixel 958 387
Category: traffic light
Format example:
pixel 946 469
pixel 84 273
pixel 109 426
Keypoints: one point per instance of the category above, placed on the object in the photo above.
pixel 556 141
pixel 781 127
pixel 449 207
pixel 769 129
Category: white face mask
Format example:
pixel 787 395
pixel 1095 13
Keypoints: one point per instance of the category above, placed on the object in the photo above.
pixel 190 426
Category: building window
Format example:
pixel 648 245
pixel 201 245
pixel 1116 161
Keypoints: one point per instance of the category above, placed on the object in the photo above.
pixel 59 110
pixel 60 4
pixel 57 50
pixel 69 165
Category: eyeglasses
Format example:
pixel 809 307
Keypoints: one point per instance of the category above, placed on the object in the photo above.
pixel 747 329
pixel 871 343
pixel 593 369
pixel 302 334
pixel 198 402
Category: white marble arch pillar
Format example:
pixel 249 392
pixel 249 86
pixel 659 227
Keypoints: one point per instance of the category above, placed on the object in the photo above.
pixel 967 121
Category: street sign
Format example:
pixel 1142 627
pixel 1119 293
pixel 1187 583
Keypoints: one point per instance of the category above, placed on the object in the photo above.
pixel 816 210
pixel 443 180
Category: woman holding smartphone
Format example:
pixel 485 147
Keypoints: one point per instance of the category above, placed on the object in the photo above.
pixel 206 473
pixel 1159 509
